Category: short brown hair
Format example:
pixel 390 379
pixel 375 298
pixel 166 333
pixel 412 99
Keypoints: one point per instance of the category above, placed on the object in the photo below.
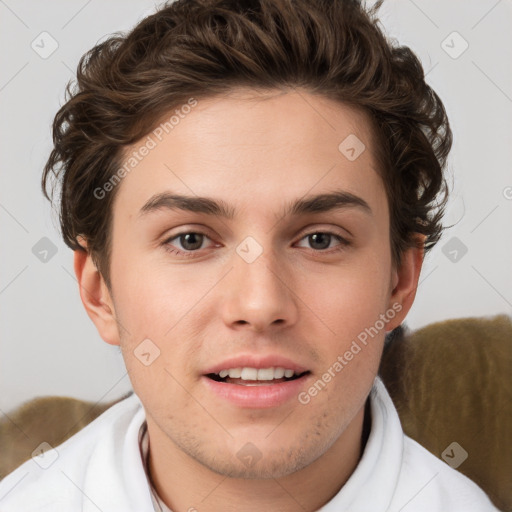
pixel 204 48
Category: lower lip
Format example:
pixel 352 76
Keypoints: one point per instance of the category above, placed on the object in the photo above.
pixel 261 396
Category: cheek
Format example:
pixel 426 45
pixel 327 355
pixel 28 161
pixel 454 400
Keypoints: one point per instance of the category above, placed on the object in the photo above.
pixel 349 304
pixel 153 299
pixel 350 299
pixel 161 306
pixel 154 322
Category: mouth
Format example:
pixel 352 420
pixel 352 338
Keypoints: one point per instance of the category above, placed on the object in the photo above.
pixel 255 382
pixel 248 376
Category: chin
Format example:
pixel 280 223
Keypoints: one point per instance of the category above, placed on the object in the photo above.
pixel 260 460
pixel 263 469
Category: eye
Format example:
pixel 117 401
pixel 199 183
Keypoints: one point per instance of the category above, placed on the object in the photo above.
pixel 321 240
pixel 190 241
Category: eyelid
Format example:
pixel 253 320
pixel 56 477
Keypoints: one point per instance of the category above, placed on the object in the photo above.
pixel 344 241
pixel 308 230
pixel 174 236
pixel 200 230
pixel 330 229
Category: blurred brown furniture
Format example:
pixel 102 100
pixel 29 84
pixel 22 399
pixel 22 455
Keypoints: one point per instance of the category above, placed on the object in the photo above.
pixel 451 382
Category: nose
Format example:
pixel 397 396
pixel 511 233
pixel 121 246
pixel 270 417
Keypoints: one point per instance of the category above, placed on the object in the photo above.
pixel 258 295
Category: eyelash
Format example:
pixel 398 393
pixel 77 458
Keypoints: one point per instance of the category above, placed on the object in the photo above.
pixel 192 254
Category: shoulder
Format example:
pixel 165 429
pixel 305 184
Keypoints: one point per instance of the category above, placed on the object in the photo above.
pixel 69 475
pixel 427 483
pixel 420 481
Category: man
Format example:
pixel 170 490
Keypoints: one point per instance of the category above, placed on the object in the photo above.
pixel 249 189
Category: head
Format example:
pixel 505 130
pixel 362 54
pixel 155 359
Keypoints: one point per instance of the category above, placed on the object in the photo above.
pixel 311 152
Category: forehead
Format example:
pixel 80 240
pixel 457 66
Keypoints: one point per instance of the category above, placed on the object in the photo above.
pixel 255 151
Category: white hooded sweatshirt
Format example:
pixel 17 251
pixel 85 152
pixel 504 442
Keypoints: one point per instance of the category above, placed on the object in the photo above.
pixel 101 469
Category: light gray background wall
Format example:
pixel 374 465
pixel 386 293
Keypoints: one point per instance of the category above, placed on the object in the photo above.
pixel 48 345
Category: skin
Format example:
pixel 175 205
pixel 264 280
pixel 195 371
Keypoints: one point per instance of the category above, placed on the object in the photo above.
pixel 257 152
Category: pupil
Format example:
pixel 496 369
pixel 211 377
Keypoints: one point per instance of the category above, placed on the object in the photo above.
pixel 318 238
pixel 188 238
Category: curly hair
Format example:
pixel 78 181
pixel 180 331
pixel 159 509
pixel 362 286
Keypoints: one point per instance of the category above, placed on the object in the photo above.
pixel 203 48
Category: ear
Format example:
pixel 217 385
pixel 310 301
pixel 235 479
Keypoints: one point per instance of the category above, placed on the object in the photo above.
pixel 95 296
pixel 404 282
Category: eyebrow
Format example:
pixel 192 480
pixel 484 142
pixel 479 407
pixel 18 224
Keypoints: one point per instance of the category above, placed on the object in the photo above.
pixel 320 203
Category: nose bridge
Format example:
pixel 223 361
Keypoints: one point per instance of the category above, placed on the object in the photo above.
pixel 259 293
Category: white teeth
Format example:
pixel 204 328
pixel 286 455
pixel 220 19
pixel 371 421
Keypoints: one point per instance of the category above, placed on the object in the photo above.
pixel 265 374
pixel 248 373
pixel 235 373
pixel 278 373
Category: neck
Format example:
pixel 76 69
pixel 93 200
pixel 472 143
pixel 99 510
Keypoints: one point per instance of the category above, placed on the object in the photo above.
pixel 186 485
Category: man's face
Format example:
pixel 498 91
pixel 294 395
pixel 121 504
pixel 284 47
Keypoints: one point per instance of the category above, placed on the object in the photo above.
pixel 265 288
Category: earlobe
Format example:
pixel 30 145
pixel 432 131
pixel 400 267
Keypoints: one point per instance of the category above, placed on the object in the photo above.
pixel 95 296
pixel 405 282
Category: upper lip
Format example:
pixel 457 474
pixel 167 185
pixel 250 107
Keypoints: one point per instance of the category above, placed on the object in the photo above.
pixel 256 361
